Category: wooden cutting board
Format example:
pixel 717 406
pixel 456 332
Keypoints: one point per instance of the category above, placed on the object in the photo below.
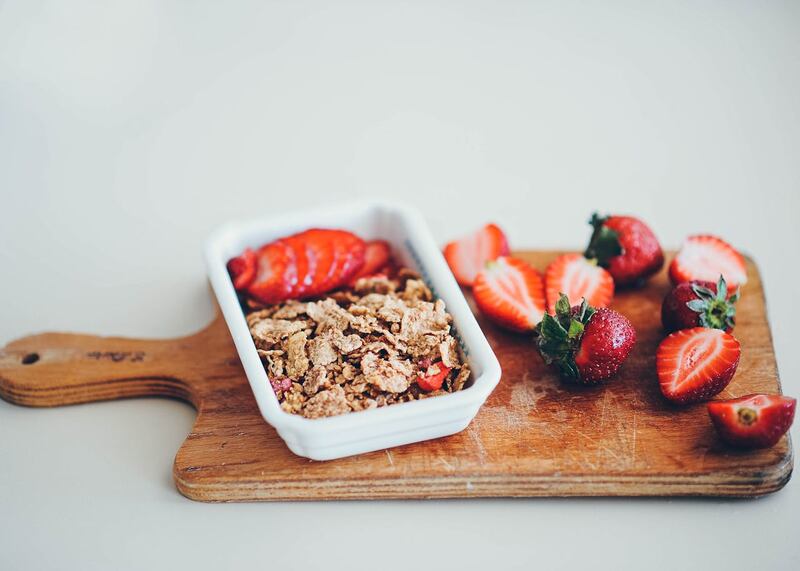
pixel 535 436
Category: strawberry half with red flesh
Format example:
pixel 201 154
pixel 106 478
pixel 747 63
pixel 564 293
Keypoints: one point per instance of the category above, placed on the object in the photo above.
pixel 377 256
pixel 699 304
pixel 753 421
pixel 705 258
pixel 626 247
pixel 695 364
pixel 577 278
pixel 587 345
pixel 510 292
pixel 467 256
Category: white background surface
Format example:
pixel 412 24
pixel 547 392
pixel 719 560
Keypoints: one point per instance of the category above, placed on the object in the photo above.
pixel 129 130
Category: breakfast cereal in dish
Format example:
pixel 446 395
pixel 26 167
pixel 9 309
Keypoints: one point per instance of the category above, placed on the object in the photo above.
pixel 333 344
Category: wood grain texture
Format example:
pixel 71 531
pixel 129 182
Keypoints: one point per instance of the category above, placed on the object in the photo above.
pixel 535 436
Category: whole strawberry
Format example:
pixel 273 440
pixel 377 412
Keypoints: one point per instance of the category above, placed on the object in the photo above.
pixel 626 247
pixel 699 304
pixel 587 345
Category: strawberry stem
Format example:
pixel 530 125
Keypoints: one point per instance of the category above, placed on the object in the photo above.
pixel 560 336
pixel 717 310
pixel 604 243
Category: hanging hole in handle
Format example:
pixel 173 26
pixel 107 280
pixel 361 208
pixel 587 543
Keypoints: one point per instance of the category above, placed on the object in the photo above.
pixel 30 358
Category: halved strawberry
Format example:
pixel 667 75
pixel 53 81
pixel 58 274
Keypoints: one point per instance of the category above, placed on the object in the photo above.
pixel 434 377
pixel 467 256
pixel 377 255
pixel 510 292
pixel 577 278
pixel 705 258
pixel 695 364
pixel 242 269
pixel 274 274
pixel 753 421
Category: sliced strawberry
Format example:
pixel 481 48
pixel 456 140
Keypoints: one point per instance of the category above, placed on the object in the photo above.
pixel 274 274
pixel 320 256
pixel 242 269
pixel 467 256
pixel 753 421
pixel 350 256
pixel 695 364
pixel 377 256
pixel 510 292
pixel 705 258
pixel 433 379
pixel 579 279
pixel 298 256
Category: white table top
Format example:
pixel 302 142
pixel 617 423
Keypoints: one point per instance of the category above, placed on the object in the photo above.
pixel 128 132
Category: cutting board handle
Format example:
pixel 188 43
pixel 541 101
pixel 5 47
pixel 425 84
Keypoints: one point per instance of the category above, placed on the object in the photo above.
pixel 52 369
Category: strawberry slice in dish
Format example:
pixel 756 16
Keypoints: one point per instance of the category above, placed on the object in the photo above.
pixel 319 249
pixel 578 279
pixel 377 256
pixel 296 246
pixel 467 256
pixel 242 269
pixel 350 252
pixel 434 377
pixel 752 421
pixel 510 292
pixel 695 364
pixel 705 258
pixel 274 274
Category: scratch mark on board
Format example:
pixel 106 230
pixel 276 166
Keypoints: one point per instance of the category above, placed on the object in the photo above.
pixel 597 442
pixel 479 444
pixel 447 464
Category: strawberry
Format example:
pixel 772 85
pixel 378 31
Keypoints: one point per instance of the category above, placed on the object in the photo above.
pixel 577 278
pixel 434 376
pixel 275 274
pixel 752 421
pixel 705 258
pixel 299 266
pixel 298 255
pixel 695 364
pixel 320 255
pixel 509 291
pixel 242 269
pixel 351 251
pixel 626 247
pixel 467 256
pixel 328 260
pixel 377 255
pixel 587 345
pixel 699 304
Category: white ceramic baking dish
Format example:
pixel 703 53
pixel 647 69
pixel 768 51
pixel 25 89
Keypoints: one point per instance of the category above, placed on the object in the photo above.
pixel 375 429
